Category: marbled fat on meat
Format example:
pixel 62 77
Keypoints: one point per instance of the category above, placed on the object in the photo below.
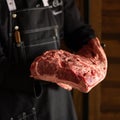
pixel 81 71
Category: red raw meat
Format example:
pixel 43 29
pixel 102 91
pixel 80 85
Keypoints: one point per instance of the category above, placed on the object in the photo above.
pixel 81 71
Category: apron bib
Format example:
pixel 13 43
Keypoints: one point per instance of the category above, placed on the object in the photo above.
pixel 32 31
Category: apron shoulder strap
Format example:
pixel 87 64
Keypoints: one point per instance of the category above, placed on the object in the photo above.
pixel 11 5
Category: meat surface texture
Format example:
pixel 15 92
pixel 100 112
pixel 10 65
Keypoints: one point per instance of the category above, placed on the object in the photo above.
pixel 82 70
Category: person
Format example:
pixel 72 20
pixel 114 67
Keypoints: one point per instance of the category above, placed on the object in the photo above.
pixel 28 28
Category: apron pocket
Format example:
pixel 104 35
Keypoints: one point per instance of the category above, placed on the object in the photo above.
pixel 38 41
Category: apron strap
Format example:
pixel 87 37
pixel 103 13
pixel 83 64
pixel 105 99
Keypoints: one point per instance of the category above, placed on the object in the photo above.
pixel 11 5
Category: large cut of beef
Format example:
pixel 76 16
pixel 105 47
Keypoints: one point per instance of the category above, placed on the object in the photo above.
pixel 82 70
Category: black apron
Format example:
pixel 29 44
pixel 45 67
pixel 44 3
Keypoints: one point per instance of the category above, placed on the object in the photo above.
pixel 35 31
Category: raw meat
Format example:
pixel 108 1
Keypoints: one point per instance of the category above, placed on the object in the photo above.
pixel 81 71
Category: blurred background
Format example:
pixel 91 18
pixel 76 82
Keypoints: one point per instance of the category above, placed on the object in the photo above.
pixel 103 101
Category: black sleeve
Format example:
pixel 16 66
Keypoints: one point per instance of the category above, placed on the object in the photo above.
pixel 76 32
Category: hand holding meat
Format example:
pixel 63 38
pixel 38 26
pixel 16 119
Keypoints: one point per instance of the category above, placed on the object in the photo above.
pixel 81 71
